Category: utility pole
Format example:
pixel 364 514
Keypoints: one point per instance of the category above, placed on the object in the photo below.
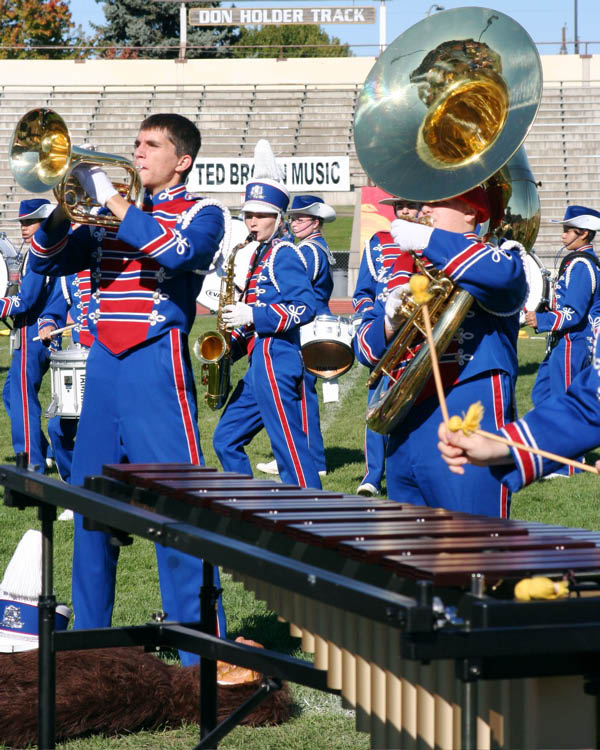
pixel 575 34
pixel 382 27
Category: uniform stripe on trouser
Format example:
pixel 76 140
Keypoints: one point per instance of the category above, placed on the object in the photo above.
pixel 25 395
pixel 570 470
pixel 304 409
pixel 182 397
pixel 499 405
pixel 282 415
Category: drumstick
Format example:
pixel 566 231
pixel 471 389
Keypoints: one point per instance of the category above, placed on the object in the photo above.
pixel 57 331
pixel 418 287
pixel 435 364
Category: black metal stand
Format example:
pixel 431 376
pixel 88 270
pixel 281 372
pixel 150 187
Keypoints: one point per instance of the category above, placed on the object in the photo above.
pixel 208 667
pixel 47 624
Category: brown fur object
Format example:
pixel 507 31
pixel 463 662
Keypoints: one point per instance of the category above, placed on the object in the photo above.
pixel 115 690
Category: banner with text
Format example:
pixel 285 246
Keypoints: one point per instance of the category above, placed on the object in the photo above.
pixel 301 174
pixel 267 16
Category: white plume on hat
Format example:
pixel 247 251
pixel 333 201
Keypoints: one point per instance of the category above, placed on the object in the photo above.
pixel 265 163
pixel 22 580
pixel 19 593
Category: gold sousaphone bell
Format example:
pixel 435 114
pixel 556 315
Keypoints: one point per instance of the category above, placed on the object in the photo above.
pixel 42 158
pixel 446 108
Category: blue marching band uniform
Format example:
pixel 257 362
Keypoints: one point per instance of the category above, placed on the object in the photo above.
pixel 30 359
pixel 378 259
pixel 571 321
pixel 271 392
pixel 142 307
pixel 479 365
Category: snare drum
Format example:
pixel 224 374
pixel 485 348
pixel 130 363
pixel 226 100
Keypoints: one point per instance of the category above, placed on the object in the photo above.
pixel 356 320
pixel 538 281
pixel 67 381
pixel 327 346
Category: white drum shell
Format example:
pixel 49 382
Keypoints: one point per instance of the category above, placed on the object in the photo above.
pixel 538 280
pixel 326 344
pixel 67 381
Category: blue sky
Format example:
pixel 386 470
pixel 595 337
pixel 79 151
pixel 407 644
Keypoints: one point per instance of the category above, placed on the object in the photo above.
pixel 543 19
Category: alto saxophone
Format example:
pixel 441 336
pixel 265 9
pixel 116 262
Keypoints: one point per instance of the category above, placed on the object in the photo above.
pixel 213 347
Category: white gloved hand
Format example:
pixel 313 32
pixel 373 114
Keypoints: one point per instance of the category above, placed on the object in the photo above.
pixel 393 307
pixel 410 236
pixel 237 315
pixel 512 245
pixel 95 182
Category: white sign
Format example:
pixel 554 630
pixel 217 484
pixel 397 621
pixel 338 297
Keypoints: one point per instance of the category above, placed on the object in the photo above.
pixel 301 173
pixel 268 16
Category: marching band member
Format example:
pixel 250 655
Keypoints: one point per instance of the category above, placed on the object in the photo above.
pixel 307 216
pixel 140 398
pixel 575 312
pixel 277 300
pixel 74 301
pixel 567 424
pixel 30 359
pixel 376 264
pixel 480 364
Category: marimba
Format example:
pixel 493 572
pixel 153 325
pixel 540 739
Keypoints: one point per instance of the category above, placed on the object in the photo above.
pixel 408 609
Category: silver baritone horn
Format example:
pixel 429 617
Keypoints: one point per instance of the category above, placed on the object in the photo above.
pixel 446 108
pixel 42 158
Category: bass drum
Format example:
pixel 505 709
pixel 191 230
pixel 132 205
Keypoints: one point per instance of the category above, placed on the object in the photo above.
pixel 538 280
pixel 211 286
pixel 67 381
pixel 326 344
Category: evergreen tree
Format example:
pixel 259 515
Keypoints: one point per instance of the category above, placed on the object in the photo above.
pixel 153 24
pixel 37 23
pixel 281 40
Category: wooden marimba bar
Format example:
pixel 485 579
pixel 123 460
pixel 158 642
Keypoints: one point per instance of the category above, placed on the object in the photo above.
pixel 520 681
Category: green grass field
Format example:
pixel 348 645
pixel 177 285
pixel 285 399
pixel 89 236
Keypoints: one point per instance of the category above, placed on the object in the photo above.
pixel 318 720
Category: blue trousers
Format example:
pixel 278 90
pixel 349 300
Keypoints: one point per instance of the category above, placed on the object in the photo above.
pixel 140 407
pixel 28 366
pixel 312 421
pixel 555 374
pixel 62 434
pixel 415 470
pixel 375 445
pixel 270 396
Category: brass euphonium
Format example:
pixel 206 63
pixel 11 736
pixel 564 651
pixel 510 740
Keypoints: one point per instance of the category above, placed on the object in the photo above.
pixel 42 158
pixel 431 125
pixel 212 348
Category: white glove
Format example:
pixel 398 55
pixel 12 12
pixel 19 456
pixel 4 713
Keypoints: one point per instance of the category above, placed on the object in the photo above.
pixel 237 315
pixel 410 236
pixel 512 245
pixel 393 306
pixel 95 182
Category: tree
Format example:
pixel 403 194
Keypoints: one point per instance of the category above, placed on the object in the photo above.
pixel 153 24
pixel 37 23
pixel 282 40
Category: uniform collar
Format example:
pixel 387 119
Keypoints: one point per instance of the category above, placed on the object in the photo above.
pixel 170 194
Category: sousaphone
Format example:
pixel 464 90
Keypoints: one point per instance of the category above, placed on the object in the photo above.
pixel 446 108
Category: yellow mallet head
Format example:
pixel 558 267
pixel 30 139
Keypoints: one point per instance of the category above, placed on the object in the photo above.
pixel 418 287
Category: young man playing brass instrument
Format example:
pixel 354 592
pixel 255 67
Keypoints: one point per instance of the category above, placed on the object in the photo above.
pixel 480 363
pixel 140 396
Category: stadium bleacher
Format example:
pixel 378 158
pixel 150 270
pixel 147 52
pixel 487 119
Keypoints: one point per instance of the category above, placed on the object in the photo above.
pixel 563 145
